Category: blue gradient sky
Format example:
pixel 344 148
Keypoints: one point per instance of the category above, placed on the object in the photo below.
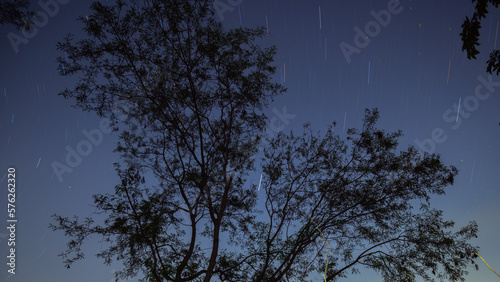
pixel 413 70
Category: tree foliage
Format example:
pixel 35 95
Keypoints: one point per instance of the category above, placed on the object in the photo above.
pixel 16 12
pixel 193 94
pixel 470 34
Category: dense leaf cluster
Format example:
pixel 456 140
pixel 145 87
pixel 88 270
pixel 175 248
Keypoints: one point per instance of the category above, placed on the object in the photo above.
pixel 470 34
pixel 16 12
pixel 193 94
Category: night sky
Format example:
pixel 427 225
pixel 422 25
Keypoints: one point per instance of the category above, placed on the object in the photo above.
pixel 412 69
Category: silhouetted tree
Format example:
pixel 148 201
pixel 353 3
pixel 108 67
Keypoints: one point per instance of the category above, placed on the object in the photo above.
pixel 193 93
pixel 470 34
pixel 16 12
